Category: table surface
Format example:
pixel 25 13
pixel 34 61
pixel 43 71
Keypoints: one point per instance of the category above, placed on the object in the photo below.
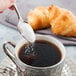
pixel 10 34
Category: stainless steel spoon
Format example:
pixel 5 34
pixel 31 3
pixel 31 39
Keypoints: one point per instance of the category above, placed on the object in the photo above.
pixel 25 29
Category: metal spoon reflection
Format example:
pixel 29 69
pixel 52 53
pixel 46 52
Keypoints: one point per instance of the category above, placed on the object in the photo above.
pixel 25 29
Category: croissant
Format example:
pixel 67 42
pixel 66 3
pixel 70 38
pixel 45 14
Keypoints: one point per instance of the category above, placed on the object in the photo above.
pixel 61 21
pixel 41 17
pixel 38 18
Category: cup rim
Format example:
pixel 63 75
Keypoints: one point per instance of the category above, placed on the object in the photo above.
pixel 56 42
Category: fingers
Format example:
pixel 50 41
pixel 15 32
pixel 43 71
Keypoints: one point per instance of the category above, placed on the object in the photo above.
pixel 1 11
pixel 12 8
pixel 12 1
pixel 4 4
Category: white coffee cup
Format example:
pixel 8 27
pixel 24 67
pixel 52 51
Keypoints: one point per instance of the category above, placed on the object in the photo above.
pixel 27 70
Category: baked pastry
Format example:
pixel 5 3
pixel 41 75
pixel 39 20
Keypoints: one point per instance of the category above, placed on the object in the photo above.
pixel 61 21
pixel 54 12
pixel 41 17
pixel 38 18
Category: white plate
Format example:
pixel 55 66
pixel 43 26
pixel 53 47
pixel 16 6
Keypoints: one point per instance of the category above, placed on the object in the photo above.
pixel 7 68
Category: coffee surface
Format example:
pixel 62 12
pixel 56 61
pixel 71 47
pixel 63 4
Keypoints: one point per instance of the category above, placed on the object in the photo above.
pixel 44 54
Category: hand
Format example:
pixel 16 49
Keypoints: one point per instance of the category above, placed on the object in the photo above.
pixel 4 4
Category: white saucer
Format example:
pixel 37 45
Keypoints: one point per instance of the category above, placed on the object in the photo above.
pixel 7 68
pixel 66 71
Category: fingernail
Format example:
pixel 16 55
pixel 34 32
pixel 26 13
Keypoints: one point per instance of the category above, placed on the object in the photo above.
pixel 1 11
pixel 12 8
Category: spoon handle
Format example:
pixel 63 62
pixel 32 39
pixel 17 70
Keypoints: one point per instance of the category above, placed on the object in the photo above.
pixel 17 12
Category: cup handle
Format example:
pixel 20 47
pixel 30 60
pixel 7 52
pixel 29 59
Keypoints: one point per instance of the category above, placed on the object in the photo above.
pixel 8 52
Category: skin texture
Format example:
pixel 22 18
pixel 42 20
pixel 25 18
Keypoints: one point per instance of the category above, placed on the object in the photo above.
pixel 5 4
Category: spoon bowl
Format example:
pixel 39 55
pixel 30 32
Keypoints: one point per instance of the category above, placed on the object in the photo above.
pixel 24 28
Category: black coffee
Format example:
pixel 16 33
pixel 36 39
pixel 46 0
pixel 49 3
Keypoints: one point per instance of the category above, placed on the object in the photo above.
pixel 43 54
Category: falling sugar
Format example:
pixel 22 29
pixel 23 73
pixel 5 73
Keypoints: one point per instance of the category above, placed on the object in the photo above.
pixel 29 51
